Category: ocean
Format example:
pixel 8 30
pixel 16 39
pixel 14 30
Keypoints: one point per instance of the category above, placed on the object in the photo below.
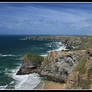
pixel 12 50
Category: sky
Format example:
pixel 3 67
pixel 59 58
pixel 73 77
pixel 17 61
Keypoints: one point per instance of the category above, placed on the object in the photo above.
pixel 46 18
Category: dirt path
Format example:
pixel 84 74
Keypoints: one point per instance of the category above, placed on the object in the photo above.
pixel 53 85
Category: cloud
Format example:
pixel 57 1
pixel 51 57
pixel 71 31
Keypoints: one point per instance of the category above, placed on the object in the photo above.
pixel 44 20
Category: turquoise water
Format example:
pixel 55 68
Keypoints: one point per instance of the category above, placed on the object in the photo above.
pixel 12 49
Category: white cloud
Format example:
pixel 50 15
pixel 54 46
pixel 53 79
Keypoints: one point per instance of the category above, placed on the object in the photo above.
pixel 45 19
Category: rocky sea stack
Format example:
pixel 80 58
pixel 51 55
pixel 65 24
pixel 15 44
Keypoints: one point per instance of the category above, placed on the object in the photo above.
pixel 31 63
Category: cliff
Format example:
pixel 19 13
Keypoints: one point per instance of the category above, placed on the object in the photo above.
pixel 73 67
pixel 31 63
pixel 81 76
pixel 58 65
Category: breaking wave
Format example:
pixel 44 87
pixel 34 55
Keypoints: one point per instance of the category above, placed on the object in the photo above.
pixel 25 82
pixel 8 55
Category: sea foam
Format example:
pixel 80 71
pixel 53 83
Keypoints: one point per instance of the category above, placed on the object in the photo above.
pixel 8 55
pixel 25 82
pixel 59 46
pixel 3 87
pixel 29 81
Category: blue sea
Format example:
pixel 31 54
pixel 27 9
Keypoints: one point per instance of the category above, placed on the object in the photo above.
pixel 12 50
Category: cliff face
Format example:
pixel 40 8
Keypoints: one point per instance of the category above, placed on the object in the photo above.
pixel 31 63
pixel 74 66
pixel 81 76
pixel 58 65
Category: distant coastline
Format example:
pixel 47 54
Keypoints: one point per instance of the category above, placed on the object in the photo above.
pixel 40 35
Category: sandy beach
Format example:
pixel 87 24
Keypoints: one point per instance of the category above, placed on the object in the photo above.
pixel 50 85
pixel 53 85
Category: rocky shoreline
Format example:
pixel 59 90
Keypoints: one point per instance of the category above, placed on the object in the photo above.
pixel 60 66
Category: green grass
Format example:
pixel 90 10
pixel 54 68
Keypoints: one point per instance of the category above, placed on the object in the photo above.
pixel 81 66
pixel 46 60
pixel 85 83
pixel 74 86
pixel 44 79
pixel 34 58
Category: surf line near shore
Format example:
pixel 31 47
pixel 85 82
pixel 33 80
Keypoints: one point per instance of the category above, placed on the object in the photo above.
pixel 60 47
pixel 51 84
pixel 32 81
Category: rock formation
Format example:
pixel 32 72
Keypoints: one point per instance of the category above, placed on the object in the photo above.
pixel 31 63
pixel 81 76
pixel 56 66
pixel 59 64
pixel 73 66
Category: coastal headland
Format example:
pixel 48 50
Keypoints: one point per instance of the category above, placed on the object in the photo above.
pixel 71 67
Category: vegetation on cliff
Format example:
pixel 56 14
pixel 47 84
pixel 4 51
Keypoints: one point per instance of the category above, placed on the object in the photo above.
pixel 81 66
pixel 82 73
pixel 74 66
pixel 34 59
pixel 59 64
pixel 30 64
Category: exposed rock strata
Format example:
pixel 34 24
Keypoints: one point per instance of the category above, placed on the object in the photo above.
pixel 81 76
pixel 59 64
pixel 31 63
pixel 56 66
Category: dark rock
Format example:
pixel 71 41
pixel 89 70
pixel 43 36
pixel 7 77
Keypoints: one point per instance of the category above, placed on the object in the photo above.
pixel 31 63
pixel 89 51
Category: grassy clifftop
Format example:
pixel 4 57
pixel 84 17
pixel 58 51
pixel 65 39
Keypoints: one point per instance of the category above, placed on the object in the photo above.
pixel 34 59
pixel 30 64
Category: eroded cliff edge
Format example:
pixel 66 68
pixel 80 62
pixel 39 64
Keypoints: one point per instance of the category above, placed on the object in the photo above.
pixel 74 67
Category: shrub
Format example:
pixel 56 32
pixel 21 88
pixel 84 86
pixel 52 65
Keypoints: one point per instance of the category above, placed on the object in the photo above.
pixel 81 66
pixel 34 59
